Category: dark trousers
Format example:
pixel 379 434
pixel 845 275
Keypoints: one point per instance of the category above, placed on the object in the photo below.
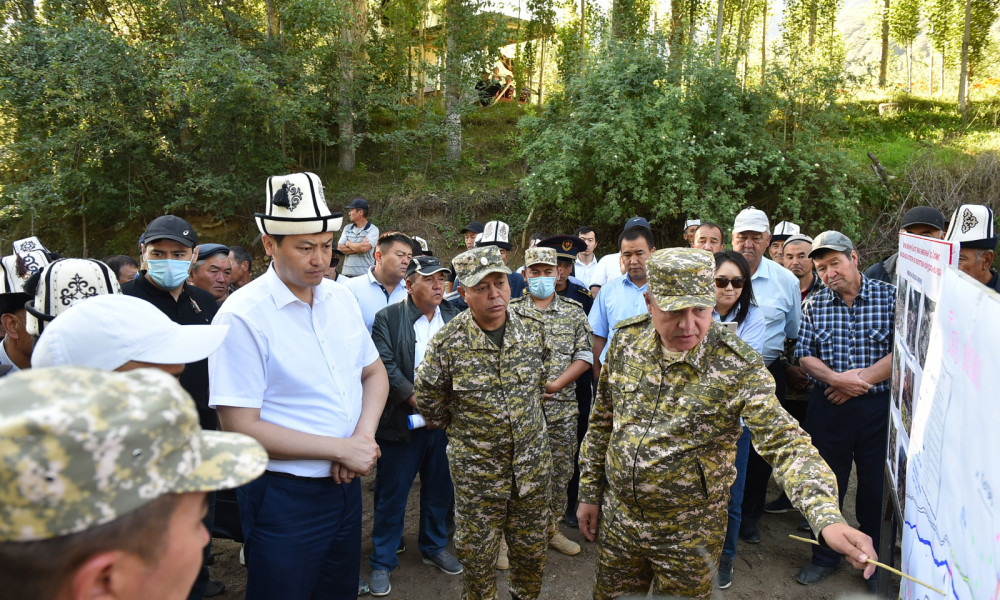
pixel 303 538
pixel 758 469
pixel 584 400
pixel 397 468
pixel 198 589
pixel 854 431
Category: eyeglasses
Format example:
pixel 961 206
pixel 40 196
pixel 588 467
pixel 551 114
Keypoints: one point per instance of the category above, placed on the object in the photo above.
pixel 723 282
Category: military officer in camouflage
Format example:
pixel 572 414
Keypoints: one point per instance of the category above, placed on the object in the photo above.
pixel 570 341
pixel 482 378
pixel 659 456
pixel 103 478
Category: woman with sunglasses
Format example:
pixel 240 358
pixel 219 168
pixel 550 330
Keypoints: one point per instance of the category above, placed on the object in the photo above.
pixel 735 302
pixel 734 298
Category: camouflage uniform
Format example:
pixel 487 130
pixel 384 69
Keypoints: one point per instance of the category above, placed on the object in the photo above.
pixel 80 448
pixel 489 399
pixel 568 339
pixel 659 456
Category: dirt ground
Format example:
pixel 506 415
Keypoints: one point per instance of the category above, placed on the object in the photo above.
pixel 763 572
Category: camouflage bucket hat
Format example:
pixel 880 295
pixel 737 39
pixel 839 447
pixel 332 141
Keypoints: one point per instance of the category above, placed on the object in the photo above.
pixel 539 255
pixel 682 278
pixel 80 448
pixel 472 265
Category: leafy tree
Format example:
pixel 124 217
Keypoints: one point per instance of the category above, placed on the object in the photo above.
pixel 904 26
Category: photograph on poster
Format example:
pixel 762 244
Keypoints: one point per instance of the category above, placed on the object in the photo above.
pixel 906 408
pixel 924 337
pixel 901 476
pixel 897 376
pixel 912 319
pixel 901 290
pixel 891 450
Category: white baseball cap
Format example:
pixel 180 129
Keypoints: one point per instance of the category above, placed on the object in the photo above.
pixel 107 331
pixel 751 219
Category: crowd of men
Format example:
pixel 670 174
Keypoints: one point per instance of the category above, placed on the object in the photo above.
pixel 580 392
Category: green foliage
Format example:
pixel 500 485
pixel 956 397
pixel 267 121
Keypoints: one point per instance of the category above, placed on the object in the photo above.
pixel 621 140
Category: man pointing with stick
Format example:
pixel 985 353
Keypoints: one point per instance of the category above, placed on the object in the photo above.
pixel 659 456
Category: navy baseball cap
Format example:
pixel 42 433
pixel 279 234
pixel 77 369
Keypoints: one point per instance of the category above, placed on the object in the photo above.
pixel 359 203
pixel 636 222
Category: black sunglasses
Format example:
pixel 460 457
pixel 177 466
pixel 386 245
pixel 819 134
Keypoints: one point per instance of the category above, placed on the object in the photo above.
pixel 723 282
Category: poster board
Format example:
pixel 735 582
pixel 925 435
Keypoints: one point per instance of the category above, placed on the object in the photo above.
pixel 951 525
pixel 920 272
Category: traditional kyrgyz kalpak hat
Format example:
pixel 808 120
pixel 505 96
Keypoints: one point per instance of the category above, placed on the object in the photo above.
pixel 691 223
pixel 107 331
pixel 62 284
pixel 424 248
pixel 972 226
pixel 472 265
pixel 296 205
pixel 28 258
pixel 784 230
pixel 496 233
pixel 682 278
pixel 80 448
pixel 539 255
pixel 566 246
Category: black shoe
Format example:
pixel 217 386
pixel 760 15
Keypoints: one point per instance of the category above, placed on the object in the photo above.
pixel 804 525
pixel 570 520
pixel 402 546
pixel 813 573
pixel 781 505
pixel 725 577
pixel 872 584
pixel 214 588
pixel 750 535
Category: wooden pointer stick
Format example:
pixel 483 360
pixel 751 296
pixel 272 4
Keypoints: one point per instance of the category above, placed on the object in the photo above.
pixel 877 564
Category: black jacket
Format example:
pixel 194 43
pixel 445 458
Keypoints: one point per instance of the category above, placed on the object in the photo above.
pixel 884 270
pixel 194 306
pixel 393 335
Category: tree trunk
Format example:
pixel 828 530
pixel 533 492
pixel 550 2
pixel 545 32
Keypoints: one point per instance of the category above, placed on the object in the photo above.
pixel 883 66
pixel 452 95
pixel 678 37
pixel 718 31
pixel 909 69
pixel 963 74
pixel 930 72
pixel 812 22
pixel 351 36
pixel 763 46
pixel 421 72
pixel 541 72
pixel 272 18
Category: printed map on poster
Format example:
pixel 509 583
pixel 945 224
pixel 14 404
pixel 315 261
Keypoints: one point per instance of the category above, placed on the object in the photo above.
pixel 951 527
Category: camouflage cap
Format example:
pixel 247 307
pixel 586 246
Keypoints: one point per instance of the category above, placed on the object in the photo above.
pixel 472 265
pixel 539 255
pixel 682 278
pixel 80 448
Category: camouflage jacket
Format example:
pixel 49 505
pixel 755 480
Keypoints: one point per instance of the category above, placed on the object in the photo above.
pixel 662 436
pixel 568 336
pixel 490 401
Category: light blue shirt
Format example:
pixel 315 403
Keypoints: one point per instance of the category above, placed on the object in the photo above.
pixel 372 295
pixel 619 299
pixel 778 297
pixel 751 330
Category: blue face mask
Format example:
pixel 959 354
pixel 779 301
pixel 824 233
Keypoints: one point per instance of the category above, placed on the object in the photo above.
pixel 542 287
pixel 169 273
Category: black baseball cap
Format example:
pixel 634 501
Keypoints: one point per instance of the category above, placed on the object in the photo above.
pixel 358 203
pixel 636 222
pixel 169 227
pixel 923 215
pixel 473 227
pixel 208 250
pixel 425 265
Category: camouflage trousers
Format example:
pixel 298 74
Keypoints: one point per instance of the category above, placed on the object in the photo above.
pixel 561 423
pixel 677 551
pixel 479 523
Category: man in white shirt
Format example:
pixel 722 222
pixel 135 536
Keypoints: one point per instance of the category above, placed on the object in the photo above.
pixel 401 334
pixel 383 284
pixel 299 373
pixel 586 261
pixel 610 266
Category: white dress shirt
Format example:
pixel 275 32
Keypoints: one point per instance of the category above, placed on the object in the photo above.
pixel 299 364
pixel 423 331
